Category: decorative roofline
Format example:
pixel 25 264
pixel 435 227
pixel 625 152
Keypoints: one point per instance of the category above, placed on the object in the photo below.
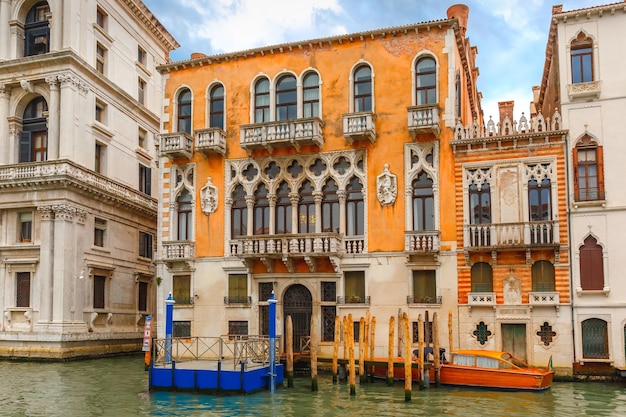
pixel 156 27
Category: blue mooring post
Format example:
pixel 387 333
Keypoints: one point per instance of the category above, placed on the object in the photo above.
pixel 169 325
pixel 272 303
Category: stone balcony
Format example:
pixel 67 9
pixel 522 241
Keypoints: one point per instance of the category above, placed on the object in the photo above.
pixel 210 141
pixel 513 235
pixel 359 126
pixel 423 120
pixel 586 90
pixel 177 144
pixel 481 299
pixel 178 251
pixel 288 133
pixel 289 248
pixel 421 242
pixel 544 298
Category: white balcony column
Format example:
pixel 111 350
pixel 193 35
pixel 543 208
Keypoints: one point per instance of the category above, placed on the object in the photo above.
pixel 272 200
pixel 295 199
pixel 5 95
pixel 250 212
pixel 5 31
pixel 342 195
pixel 56 25
pixel 53 118
pixel 318 196
pixel 228 221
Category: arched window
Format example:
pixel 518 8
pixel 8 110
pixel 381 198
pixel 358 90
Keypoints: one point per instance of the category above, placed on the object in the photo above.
pixel 595 339
pixel 363 89
pixel 184 111
pixel 239 213
pixel 36 30
pixel 543 276
pixel 185 220
pixel 588 170
pixel 355 208
pixel 591 265
pixel 480 203
pixel 311 95
pixel 261 225
pixel 34 136
pixel 330 207
pixel 425 81
pixel 423 203
pixel 306 209
pixel 581 50
pixel 216 107
pixel 262 101
pixel 283 209
pixel 482 277
pixel 286 98
pixel 539 200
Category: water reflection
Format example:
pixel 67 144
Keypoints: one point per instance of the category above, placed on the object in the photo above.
pixel 118 387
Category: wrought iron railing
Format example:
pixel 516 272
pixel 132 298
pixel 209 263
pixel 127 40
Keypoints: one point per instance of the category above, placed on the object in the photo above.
pixel 412 299
pixel 353 299
pixel 242 299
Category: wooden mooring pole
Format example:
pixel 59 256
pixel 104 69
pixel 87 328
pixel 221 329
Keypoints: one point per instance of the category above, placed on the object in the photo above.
pixel 408 377
pixel 289 350
pixel 361 349
pixel 420 350
pixel 351 354
pixel 392 329
pixel 313 353
pixel 336 349
pixel 372 344
pixel 436 361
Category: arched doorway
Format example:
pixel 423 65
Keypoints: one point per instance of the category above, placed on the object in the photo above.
pixel 298 303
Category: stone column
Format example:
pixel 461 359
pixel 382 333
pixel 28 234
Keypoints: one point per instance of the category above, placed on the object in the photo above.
pixel 64 254
pixel 318 196
pixel 66 117
pixel 5 94
pixel 56 25
pixel 5 32
pixel 272 200
pixel 342 195
pixel 295 199
pixel 53 118
pixel 46 263
pixel 250 205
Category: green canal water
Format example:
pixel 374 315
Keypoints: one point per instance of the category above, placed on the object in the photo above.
pixel 119 387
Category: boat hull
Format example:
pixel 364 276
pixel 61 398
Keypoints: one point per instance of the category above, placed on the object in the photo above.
pixel 531 380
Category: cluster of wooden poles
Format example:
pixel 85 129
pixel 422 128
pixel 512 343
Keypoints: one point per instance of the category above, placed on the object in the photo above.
pixel 366 359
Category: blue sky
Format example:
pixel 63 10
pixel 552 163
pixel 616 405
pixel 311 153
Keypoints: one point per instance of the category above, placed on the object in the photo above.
pixel 510 34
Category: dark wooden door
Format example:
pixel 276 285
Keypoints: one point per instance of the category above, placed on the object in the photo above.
pixel 514 340
pixel 298 303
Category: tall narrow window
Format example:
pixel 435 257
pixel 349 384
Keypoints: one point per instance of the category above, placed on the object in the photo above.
pixel 23 289
pixel 145 179
pixel 101 18
pixel 424 287
pixel 355 208
pixel 543 276
pixel 145 245
pixel 425 81
pixel 591 265
pixel 37 30
pixel 237 288
pixel 216 108
pixel 142 299
pixel 141 91
pixel 100 58
pixel 239 213
pixel 363 89
pixel 330 207
pixel 100 112
pixel 539 200
pixel 306 209
pixel 99 288
pixel 181 289
pixel 33 146
pixel 423 203
pixel 311 95
pixel 26 226
pixel 142 135
pixel 184 111
pixel 588 170
pixel 482 277
pixel 261 211
pixel 582 59
pixel 262 101
pixel 480 203
pixel 99 231
pixel 141 55
pixel 99 157
pixel 283 209
pixel 184 212
pixel 354 286
pixel 286 98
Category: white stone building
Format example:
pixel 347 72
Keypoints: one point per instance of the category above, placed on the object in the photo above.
pixel 79 111
pixel 583 76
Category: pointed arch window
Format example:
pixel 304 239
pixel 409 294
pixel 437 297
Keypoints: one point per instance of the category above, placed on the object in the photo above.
pixel 363 89
pixel 185 213
pixel 311 95
pixel 582 59
pixel 239 213
pixel 425 81
pixel 355 208
pixel 591 265
pixel 262 101
pixel 588 170
pixel 539 199
pixel 423 201
pixel 286 98
pixel 216 106
pixel 543 276
pixel 482 277
pixel 33 146
pixel 37 30
pixel 184 111
pixel 261 211
pixel 480 203
pixel 330 207
pixel 283 209
pixel 306 209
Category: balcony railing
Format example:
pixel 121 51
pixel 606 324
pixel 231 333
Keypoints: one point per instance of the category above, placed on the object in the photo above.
pixel 181 250
pixel 177 144
pixel 542 233
pixel 318 243
pixel 354 299
pixel 211 140
pixel 422 241
pixel 411 299
pixel 481 298
pixel 243 299
pixel 584 90
pixel 423 119
pixel 270 135
pixel 544 298
pixel 359 126
pixel 354 244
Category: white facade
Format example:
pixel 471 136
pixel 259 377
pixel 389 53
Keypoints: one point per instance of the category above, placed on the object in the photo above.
pixel 593 98
pixel 79 112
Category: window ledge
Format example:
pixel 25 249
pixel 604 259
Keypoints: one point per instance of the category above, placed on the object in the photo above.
pixel 143 68
pixel 102 129
pixel 141 152
pixel 588 203
pixel 97 29
pixel 584 90
pixel 100 249
pixel 608 360
pixel 581 292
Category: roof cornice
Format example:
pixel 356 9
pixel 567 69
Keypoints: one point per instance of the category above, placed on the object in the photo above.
pixel 587 12
pixel 144 15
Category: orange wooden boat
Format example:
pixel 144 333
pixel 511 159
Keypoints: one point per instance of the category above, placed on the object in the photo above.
pixel 492 369
pixel 380 370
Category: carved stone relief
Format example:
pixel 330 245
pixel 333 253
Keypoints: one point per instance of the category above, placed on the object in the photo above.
pixel 386 187
pixel 208 195
pixel 512 290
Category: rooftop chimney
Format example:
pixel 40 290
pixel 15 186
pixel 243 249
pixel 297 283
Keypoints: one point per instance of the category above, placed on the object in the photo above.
pixel 506 109
pixel 461 12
